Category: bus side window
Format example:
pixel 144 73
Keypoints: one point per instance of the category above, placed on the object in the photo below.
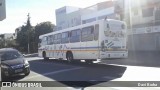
pixel 108 26
pixel 45 40
pixel 65 37
pixel 96 32
pixel 54 39
pixel 87 33
pixel 50 40
pixel 75 36
pixel 39 42
pixel 59 38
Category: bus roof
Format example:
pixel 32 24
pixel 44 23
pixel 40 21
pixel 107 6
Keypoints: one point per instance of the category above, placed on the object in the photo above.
pixel 79 26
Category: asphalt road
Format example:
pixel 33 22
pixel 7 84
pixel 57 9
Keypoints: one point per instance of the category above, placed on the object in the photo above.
pixel 138 67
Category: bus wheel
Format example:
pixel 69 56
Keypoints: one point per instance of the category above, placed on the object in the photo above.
pixel 89 61
pixel 44 56
pixel 69 57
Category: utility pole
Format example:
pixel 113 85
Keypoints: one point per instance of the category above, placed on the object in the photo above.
pixel 28 16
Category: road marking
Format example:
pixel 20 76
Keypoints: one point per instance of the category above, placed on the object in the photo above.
pixel 51 73
pixel 124 88
pixel 78 88
pixel 92 80
pixel 109 77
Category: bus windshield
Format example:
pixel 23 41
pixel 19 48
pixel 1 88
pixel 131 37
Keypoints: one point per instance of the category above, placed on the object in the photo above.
pixel 115 30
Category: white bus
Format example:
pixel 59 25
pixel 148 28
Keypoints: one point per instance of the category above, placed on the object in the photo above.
pixel 96 40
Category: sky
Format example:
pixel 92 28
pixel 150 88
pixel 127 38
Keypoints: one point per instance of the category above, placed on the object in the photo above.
pixel 40 11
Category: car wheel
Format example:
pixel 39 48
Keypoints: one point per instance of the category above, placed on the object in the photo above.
pixel 27 72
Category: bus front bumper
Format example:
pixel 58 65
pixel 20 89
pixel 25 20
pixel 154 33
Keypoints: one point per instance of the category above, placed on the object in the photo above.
pixel 114 54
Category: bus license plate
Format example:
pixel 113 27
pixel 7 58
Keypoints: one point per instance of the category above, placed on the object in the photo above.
pixel 18 70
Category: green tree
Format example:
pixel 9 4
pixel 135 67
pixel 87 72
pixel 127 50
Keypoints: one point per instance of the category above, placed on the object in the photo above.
pixel 28 36
pixel 25 37
pixel 2 43
pixel 42 28
pixel 22 39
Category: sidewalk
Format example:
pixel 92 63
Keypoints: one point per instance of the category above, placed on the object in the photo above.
pixel 149 59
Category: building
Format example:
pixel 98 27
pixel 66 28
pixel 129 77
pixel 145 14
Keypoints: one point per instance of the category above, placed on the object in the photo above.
pixel 63 16
pixel 72 16
pixel 2 10
pixel 6 36
pixel 97 12
pixel 143 17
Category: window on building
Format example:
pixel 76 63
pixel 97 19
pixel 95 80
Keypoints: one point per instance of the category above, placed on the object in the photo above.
pixel 87 34
pixel 83 22
pixel 75 35
pixel 157 14
pixel 147 12
pixel 102 17
pixel 88 20
pixel 65 37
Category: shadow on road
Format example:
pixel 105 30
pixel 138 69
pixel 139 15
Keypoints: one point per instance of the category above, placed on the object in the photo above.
pixel 88 75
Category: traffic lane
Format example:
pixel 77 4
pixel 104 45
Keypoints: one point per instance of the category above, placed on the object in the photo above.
pixel 148 59
pixel 39 68
pixel 44 66
pixel 91 73
pixel 60 71
pixel 85 73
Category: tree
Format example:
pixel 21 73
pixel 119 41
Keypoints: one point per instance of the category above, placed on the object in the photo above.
pixel 2 42
pixel 25 36
pixel 22 39
pixel 42 28
pixel 28 36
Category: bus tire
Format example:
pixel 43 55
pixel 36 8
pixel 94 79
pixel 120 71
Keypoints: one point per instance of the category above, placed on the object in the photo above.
pixel 44 56
pixel 69 56
pixel 89 61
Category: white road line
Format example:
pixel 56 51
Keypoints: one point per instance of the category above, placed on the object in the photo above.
pixel 92 80
pixel 71 88
pixel 109 77
pixel 124 88
pixel 51 73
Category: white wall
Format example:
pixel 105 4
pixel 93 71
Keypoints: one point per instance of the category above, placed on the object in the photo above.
pixel 70 9
pixel 98 13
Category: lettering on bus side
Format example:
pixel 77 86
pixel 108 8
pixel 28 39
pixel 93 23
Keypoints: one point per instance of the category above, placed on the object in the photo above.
pixel 61 49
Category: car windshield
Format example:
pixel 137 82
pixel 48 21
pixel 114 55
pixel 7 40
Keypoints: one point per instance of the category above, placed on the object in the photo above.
pixel 10 55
